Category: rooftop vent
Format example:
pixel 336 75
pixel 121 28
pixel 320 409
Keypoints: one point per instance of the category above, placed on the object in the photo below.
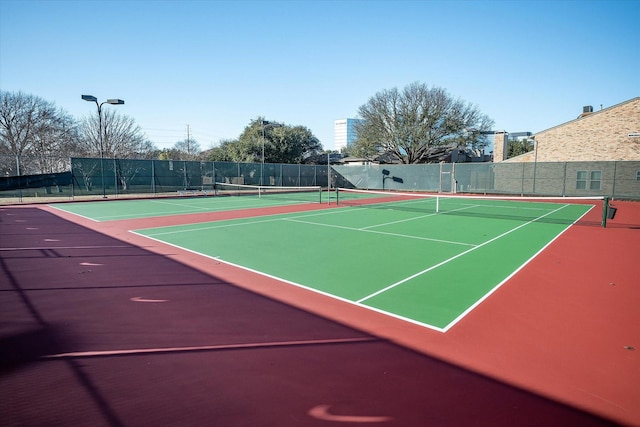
pixel 587 109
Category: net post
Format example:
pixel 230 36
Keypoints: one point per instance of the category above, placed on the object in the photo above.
pixel 605 211
pixel 337 196
pixel 437 203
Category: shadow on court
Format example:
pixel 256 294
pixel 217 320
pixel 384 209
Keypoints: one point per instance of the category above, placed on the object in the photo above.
pixel 94 331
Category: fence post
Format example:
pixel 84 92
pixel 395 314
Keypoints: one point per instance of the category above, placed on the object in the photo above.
pixel 153 177
pixel 522 181
pixel 115 178
pixel 605 211
pixel 613 185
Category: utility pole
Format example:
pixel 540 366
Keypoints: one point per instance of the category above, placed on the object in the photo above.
pixel 188 143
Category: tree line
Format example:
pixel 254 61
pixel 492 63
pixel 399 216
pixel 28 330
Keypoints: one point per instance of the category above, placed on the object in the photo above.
pixel 406 125
pixel 37 137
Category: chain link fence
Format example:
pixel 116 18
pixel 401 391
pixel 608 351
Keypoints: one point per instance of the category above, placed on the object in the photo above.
pixel 565 179
pixel 97 178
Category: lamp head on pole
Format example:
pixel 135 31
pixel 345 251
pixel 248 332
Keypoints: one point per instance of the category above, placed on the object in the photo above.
pixel 90 98
pixel 115 101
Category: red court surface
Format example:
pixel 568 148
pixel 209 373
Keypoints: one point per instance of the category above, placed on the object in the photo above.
pixel 103 327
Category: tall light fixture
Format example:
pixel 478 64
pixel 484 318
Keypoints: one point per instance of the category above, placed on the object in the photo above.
pixel 92 98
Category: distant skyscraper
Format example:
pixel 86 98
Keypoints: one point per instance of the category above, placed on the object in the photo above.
pixel 344 133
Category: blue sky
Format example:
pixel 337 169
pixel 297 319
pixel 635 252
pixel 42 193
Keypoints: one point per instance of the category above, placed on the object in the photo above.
pixel 216 65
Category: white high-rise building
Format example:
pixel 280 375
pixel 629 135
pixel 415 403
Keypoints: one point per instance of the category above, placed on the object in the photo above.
pixel 344 133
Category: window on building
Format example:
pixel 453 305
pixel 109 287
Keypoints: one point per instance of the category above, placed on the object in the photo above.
pixel 591 180
pixel 638 176
pixel 581 180
pixel 595 180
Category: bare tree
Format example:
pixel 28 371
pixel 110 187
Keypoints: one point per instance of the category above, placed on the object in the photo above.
pixel 55 140
pixel 408 123
pixel 187 149
pixel 121 136
pixel 31 126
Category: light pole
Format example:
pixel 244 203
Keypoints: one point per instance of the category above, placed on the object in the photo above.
pixel 92 98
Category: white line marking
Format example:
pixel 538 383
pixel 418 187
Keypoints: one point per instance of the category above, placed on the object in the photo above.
pixel 420 273
pixel 140 299
pixel 189 209
pixel 321 412
pixel 73 213
pixel 365 230
pixel 418 217
pixel 211 227
pixel 42 248
pixel 271 218
pixel 308 288
pixel 356 303
pixel 135 351
pixel 495 288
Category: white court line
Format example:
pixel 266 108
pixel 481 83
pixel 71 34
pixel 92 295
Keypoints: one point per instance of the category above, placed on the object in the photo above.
pixel 73 213
pixel 44 248
pixel 169 213
pixel 366 230
pixel 358 303
pixel 299 285
pixel 418 217
pixel 156 214
pixel 413 276
pixel 485 296
pixel 210 227
pixel 102 353
pixel 270 218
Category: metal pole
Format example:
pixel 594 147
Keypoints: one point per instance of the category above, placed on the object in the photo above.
pixel 535 164
pixel 454 183
pixel 613 185
pixel 19 174
pixel 262 165
pixel 564 180
pixel 115 177
pixel 522 181
pixel 101 135
pixel 328 179
pixel 104 191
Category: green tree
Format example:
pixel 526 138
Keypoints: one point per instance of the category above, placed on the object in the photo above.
pixel 408 123
pixel 278 143
pixel 516 147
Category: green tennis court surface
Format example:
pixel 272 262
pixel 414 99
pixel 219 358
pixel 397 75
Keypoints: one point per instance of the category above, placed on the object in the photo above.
pixel 406 261
pixel 146 208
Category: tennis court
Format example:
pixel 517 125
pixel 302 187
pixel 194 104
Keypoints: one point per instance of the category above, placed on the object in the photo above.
pixel 337 313
pixel 401 257
pixel 254 197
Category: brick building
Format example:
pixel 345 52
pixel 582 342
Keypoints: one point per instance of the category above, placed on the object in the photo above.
pixel 594 136
pixel 598 153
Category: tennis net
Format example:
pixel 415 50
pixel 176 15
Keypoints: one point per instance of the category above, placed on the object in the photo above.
pixel 307 194
pixel 540 209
